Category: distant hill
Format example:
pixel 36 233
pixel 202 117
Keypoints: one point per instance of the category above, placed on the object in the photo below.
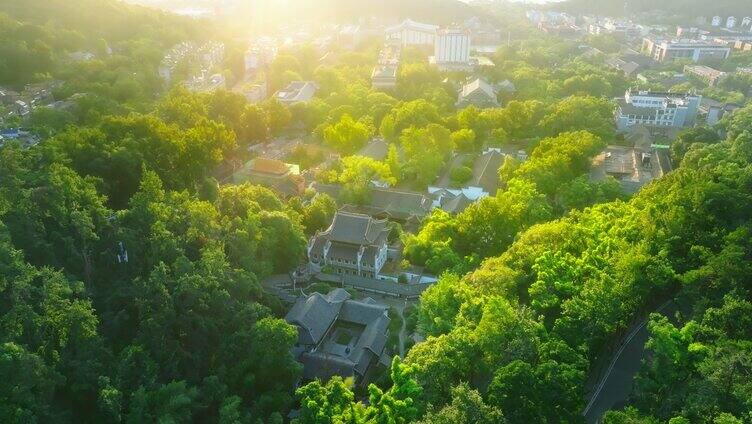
pixel 112 20
pixel 690 8
pixel 434 11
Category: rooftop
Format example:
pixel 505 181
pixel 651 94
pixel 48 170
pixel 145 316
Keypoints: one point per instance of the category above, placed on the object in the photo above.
pixel 354 228
pixel 340 336
pixel 269 166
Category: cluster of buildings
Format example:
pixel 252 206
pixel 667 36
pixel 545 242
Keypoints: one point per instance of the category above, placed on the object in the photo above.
pixel 731 22
pixel 338 335
pixel 384 74
pixel 204 58
pixel 696 50
pixel 20 104
pixel 621 29
pixel 451 45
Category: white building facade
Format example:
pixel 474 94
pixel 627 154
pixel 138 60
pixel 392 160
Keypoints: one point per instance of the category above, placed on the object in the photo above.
pixel 695 50
pixel 658 109
pixel 452 46
pixel 410 32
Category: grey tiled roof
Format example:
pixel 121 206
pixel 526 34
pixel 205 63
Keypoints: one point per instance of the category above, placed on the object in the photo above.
pixel 356 229
pixel 322 316
pixel 456 204
pixel 313 315
pixel 400 204
pixel 486 172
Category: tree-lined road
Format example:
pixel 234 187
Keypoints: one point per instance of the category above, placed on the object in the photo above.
pixel 616 384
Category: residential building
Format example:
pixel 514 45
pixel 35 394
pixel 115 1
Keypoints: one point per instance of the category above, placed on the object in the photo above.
pixel 659 109
pixel 687 32
pixel 284 178
pixel 666 50
pixel 705 73
pixel 731 22
pixel 354 244
pixel 479 93
pixel 205 56
pixel 384 77
pixel 339 336
pixel 205 83
pixel 297 92
pixel 259 56
pixel 716 21
pixel 618 28
pixel 411 33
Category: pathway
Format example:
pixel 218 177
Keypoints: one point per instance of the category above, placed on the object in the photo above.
pixel 614 387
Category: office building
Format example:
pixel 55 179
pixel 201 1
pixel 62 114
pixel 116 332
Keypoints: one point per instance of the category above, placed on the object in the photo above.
pixel 695 50
pixel 656 109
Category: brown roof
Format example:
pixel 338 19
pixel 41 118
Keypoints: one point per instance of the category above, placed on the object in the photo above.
pixel 268 166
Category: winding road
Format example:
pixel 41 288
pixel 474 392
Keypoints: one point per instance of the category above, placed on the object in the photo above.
pixel 614 387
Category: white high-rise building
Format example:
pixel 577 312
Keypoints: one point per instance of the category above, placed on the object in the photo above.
pixel 452 46
pixel 731 22
pixel 746 22
pixel 716 21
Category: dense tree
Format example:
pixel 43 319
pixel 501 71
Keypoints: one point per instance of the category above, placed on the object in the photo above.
pixel 347 136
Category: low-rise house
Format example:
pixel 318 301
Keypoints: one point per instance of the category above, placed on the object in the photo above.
pixel 627 67
pixel 486 171
pixel 284 178
pixel 297 92
pixel 478 93
pixel 354 244
pixel 384 77
pixel 377 149
pixel 339 336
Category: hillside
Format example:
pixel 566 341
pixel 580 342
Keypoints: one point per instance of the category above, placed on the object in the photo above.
pixel 691 8
pixel 438 11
